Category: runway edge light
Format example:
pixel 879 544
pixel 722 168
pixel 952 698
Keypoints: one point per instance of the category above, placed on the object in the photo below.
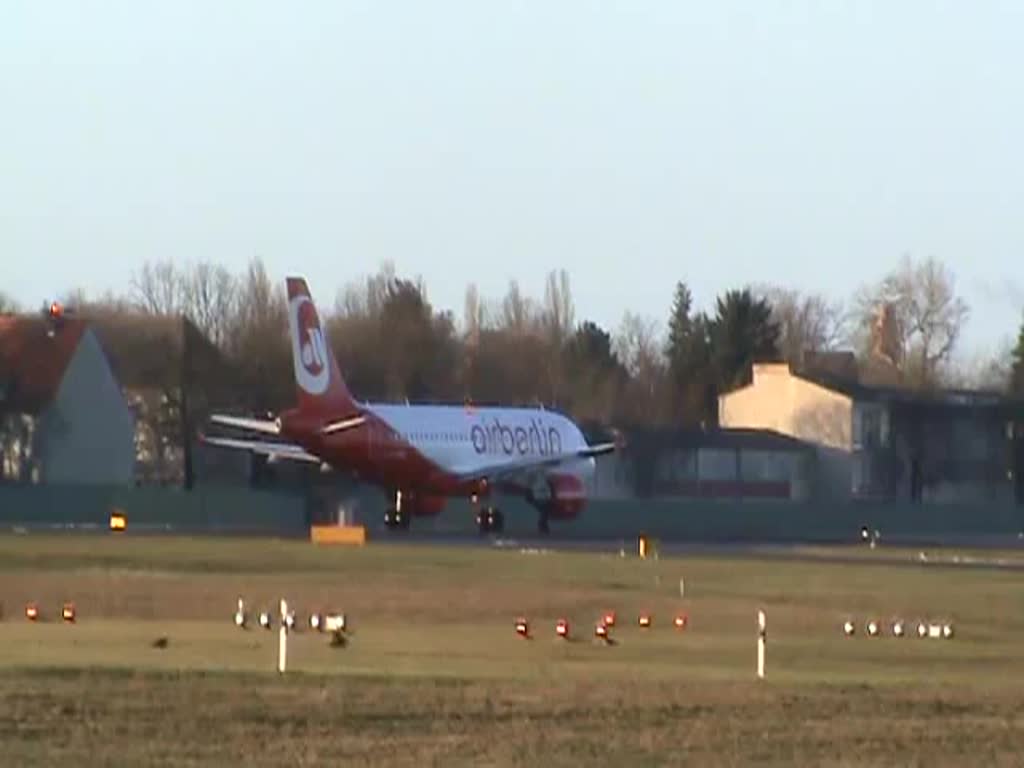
pixel 67 612
pixel 522 627
pixel 562 629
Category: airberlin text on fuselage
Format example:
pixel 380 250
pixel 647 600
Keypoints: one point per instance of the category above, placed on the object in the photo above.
pixel 491 436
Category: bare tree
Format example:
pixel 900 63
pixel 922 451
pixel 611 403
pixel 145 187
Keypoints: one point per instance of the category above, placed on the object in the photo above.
pixel 636 344
pixel 645 398
pixel 558 307
pixel 927 317
pixel 518 312
pixel 472 315
pixel 7 304
pixel 159 288
pixel 807 322
pixel 209 299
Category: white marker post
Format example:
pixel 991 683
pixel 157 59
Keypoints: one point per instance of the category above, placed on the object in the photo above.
pixel 762 637
pixel 282 635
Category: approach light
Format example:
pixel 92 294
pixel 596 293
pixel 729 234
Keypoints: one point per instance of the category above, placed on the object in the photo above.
pixel 609 619
pixel 849 629
pixel 922 629
pixel 240 618
pixel 289 620
pixel 522 627
pixel 644 621
pixel 897 629
pixel 947 631
pixel 32 612
pixel 68 613
pixel 265 620
pixel 562 629
pixel 680 621
pixel 316 622
pixel 872 628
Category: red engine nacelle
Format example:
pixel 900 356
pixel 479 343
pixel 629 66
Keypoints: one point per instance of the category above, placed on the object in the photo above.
pixel 424 505
pixel 568 497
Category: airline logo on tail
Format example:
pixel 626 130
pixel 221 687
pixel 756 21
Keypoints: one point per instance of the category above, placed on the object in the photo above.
pixel 309 346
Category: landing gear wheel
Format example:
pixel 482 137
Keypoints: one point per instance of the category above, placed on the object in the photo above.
pixel 483 521
pixel 490 520
pixel 497 521
pixel 395 519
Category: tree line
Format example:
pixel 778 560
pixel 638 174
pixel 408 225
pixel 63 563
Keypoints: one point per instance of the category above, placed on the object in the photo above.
pixel 393 344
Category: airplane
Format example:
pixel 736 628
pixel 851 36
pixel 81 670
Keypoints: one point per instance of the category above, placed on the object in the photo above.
pixel 420 455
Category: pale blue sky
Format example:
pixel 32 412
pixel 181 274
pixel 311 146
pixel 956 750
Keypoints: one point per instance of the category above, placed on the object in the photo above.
pixel 633 143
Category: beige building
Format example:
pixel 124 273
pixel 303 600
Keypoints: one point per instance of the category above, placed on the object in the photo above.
pixel 878 441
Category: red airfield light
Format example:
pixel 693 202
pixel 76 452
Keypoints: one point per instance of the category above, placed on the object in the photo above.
pixel 609 619
pixel 32 612
pixel 601 632
pixel 562 629
pixel 68 613
pixel 522 627
pixel 681 621
pixel 644 621
pixel 56 310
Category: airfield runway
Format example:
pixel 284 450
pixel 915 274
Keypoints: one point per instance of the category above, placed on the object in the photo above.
pixel 991 552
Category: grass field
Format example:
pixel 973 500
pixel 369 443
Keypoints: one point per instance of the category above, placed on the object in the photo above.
pixel 436 675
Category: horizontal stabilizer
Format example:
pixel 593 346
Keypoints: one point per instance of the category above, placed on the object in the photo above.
pixel 263 426
pixel 343 425
pixel 264 448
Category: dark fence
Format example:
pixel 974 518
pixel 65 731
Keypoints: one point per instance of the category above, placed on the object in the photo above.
pixel 208 509
pixel 227 509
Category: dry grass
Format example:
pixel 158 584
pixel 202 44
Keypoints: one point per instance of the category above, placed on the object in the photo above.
pixel 436 675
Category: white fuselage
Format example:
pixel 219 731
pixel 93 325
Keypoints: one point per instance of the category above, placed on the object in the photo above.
pixel 461 439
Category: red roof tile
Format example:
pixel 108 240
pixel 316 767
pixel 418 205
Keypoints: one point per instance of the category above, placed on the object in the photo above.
pixel 32 363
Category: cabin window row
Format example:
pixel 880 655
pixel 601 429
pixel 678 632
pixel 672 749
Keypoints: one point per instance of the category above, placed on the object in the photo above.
pixel 436 437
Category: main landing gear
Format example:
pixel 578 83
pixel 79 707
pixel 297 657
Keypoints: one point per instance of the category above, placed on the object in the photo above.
pixel 490 520
pixel 396 518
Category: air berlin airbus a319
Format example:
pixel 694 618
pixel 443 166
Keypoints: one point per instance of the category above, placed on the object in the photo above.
pixel 420 454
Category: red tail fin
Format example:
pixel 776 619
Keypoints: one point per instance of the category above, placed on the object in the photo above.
pixel 318 381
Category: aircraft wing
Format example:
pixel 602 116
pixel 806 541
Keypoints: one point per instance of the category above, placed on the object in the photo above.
pixel 264 448
pixel 505 470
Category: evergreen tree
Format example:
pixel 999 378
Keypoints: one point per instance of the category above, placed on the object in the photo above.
pixel 691 372
pixel 1017 371
pixel 742 333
